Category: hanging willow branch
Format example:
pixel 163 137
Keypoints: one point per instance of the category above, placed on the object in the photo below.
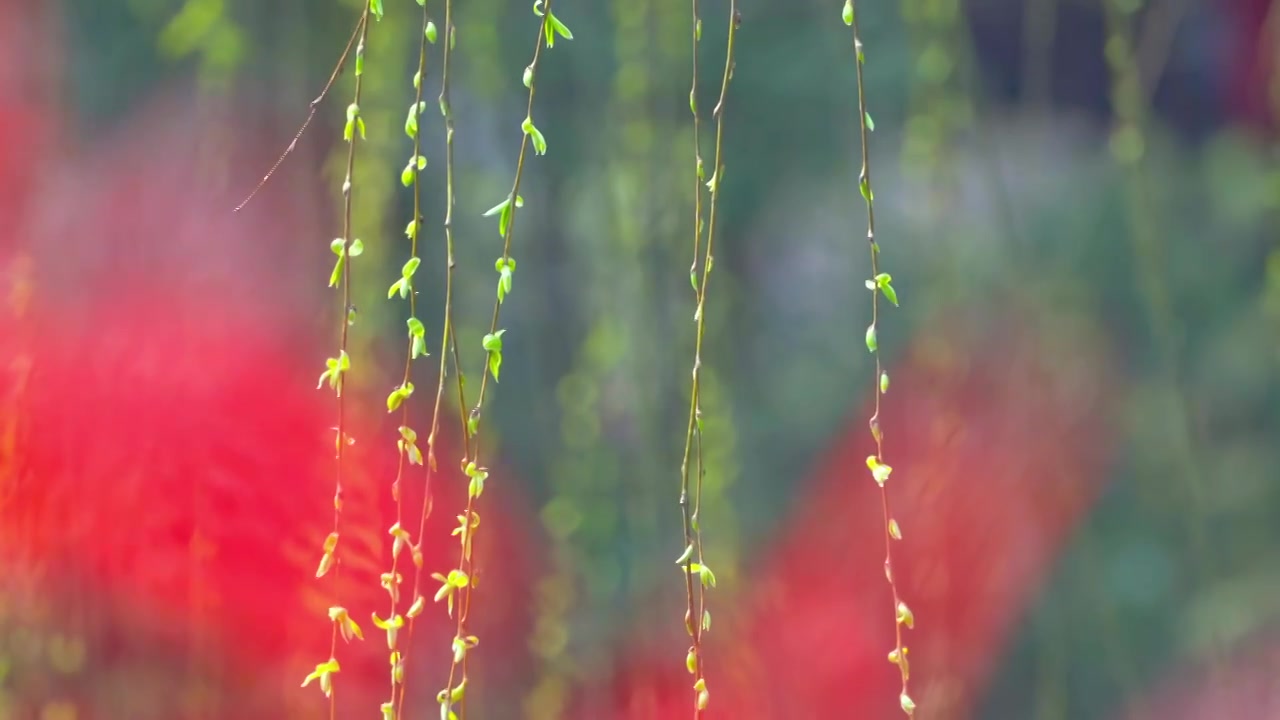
pixel 447 335
pixel 879 284
pixel 459 583
pixel 337 368
pixel 416 347
pixel 697 618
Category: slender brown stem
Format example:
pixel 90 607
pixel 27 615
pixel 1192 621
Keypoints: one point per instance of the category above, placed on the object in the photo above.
pixel 690 517
pixel 337 70
pixel 458 664
pixel 447 336
pixel 397 656
pixel 865 187
pixel 692 622
pixel 362 33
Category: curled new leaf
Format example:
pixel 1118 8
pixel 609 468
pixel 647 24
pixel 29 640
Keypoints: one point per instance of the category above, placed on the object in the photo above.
pixel 707 577
pixel 353 117
pixel 506 268
pixel 322 673
pixel 326 564
pixel 900 659
pixel 391 626
pixel 497 208
pixel 905 616
pixel 684 556
pixel 503 211
pixel 704 697
pixel 398 396
pixel 539 142
pixel 411 120
pixel 346 625
pixel 492 343
pixel 418 336
pixel 879 470
pixel 462 645
pixel 478 476
pixel 884 282
pixel 561 29
pixel 416 608
pixel 410 267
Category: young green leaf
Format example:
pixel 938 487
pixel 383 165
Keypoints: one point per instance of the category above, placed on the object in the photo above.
pixel 884 282
pixel 417 335
pixel 539 142
pixel 506 270
pixel 323 672
pixel 410 267
pixel 398 396
pixel 879 470
pixel 336 276
pixel 704 696
pixel 561 29
pixel 493 344
pixel 493 341
pixel 411 120
pixel 497 208
pixel 684 556
pixel 476 487
pixel 905 615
